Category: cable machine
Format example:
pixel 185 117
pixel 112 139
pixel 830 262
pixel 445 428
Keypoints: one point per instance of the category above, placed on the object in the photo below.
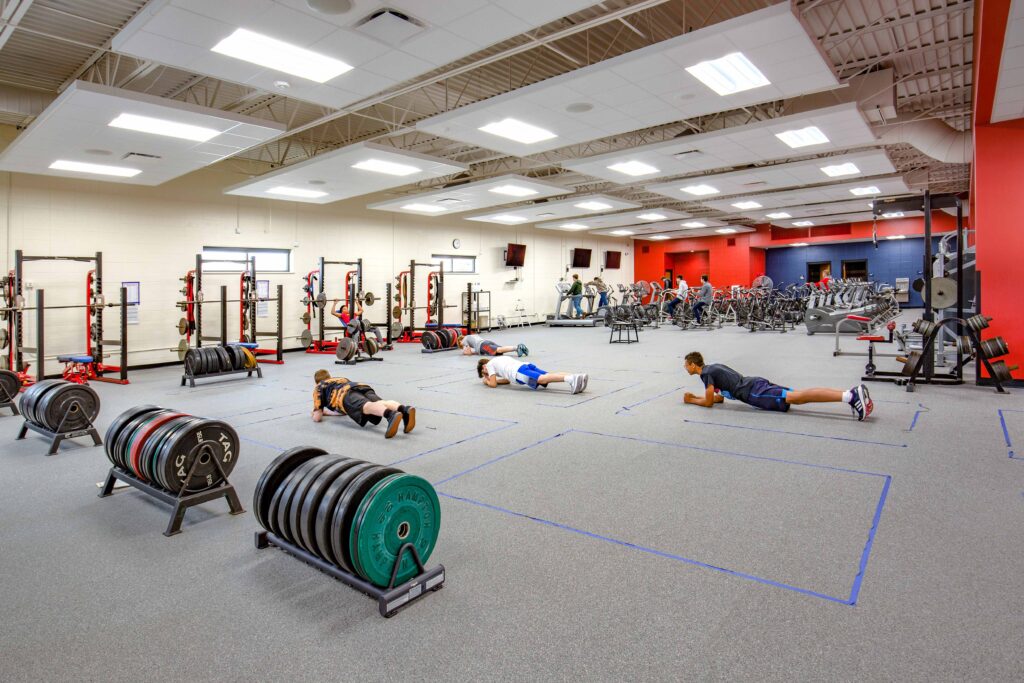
pixel 82 367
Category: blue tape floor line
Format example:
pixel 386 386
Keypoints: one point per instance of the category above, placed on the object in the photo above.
pixel 917 414
pixel 624 410
pixel 861 567
pixel 812 436
pixel 1006 432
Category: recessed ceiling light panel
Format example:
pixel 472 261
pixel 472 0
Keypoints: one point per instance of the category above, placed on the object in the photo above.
pixel 97 169
pixel 803 224
pixel 725 231
pixel 388 167
pixel 521 132
pixel 838 170
pixel 276 54
pixel 574 226
pixel 296 192
pixel 777 215
pixel 694 224
pixel 633 168
pixel 171 129
pixel 747 205
pixel 730 74
pixel 803 137
pixel 699 190
pixel 509 218
pixel 861 191
pixel 652 217
pixel 593 206
pixel 893 214
pixel 513 190
pixel 799 244
pixel 424 208
pixel 622 233
pixel 658 237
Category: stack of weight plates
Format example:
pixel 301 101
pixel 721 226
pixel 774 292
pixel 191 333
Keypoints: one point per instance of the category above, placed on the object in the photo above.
pixel 350 513
pixel 441 338
pixel 58 404
pixel 10 384
pixel 161 447
pixel 213 359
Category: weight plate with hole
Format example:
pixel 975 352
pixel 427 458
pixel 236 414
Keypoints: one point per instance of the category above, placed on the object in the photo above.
pixel 154 421
pixel 68 407
pixel 345 512
pixel 399 509
pixel 371 347
pixel 290 487
pixel 311 502
pixel 125 436
pixel 114 430
pixel 345 348
pixel 306 339
pixel 32 396
pixel 274 474
pixel 151 452
pixel 182 349
pixel 223 359
pixel 325 512
pixel 201 443
pixel 10 384
pixel 302 489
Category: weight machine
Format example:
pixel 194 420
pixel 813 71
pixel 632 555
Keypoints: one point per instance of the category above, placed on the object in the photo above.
pixel 79 368
pixel 405 302
pixel 248 300
pixel 353 294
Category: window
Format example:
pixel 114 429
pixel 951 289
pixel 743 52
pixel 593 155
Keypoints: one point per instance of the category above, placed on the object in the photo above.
pixel 233 260
pixel 456 264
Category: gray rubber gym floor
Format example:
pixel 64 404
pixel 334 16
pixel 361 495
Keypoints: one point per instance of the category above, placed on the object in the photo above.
pixel 612 535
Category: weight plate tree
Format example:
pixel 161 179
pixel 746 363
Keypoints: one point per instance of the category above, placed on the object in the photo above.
pixel 60 406
pixel 355 515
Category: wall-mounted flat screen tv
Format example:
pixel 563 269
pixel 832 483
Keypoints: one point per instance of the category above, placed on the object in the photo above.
pixel 581 258
pixel 515 255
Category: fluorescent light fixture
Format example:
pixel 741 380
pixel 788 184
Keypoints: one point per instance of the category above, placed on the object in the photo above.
pixel 652 217
pixel 699 189
pixel 777 215
pixel 389 167
pixel 803 224
pixel 747 205
pixel 860 191
pixel 172 129
pixel 658 237
pixel 574 226
pixel 296 192
pixel 803 137
pixel 513 190
pixel 514 129
pixel 895 237
pixel 725 231
pixel 622 233
pixel 893 214
pixel 508 218
pixel 633 168
pixel 98 169
pixel 840 170
pixel 799 244
pixel 593 206
pixel 280 56
pixel 694 224
pixel 424 208
pixel 730 74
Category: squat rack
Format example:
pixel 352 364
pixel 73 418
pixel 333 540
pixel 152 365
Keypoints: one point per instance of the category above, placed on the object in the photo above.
pixel 247 302
pixel 353 288
pixel 94 305
pixel 406 287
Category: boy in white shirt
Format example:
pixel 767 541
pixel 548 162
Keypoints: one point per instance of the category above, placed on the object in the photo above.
pixel 505 370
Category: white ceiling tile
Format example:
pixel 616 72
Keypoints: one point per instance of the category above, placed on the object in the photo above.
pixel 332 172
pixel 472 195
pixel 397 66
pixel 439 47
pixel 350 47
pixel 552 210
pixel 614 220
pixel 188 27
pixel 487 25
pixel 439 13
pixel 234 12
pixel 74 125
pixel 889 186
pixel 165 50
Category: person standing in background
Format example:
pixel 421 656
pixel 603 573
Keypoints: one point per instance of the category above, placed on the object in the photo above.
pixel 576 292
pixel 602 290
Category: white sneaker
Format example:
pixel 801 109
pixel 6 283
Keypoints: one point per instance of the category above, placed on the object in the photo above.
pixel 585 378
pixel 575 383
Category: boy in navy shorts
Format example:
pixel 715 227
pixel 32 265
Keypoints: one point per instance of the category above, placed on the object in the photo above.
pixel 506 370
pixel 722 382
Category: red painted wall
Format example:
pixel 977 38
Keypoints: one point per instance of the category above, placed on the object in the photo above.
pixel 690 266
pixel 740 263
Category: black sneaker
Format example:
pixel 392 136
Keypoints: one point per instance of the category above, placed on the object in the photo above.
pixel 408 418
pixel 393 422
pixel 861 403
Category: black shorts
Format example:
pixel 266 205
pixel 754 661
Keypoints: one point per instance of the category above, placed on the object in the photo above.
pixel 353 404
pixel 768 396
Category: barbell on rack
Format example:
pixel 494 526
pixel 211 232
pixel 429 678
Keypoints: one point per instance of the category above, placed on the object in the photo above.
pixel 367 299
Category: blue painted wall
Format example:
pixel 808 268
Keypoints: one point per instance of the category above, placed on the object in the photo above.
pixel 892 259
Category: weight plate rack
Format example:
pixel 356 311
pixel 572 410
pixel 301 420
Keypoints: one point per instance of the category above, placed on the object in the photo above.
pixel 10 386
pixel 218 361
pixel 440 339
pixel 180 459
pixel 369 526
pixel 59 410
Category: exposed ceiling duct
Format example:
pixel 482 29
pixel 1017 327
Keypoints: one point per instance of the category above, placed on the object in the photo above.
pixel 933 137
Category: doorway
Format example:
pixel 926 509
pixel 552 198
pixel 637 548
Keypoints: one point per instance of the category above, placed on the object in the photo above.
pixel 816 272
pixel 856 269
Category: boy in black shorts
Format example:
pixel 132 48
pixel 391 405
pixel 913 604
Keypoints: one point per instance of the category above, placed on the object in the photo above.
pixel 341 396
pixel 722 382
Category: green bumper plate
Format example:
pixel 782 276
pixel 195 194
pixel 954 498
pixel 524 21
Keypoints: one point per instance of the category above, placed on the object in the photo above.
pixel 400 509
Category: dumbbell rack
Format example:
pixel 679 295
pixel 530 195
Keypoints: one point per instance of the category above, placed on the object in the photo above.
pixel 180 501
pixel 58 436
pixel 390 600
pixel 953 377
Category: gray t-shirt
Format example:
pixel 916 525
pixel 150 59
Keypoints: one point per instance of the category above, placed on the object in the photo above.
pixel 472 341
pixel 706 294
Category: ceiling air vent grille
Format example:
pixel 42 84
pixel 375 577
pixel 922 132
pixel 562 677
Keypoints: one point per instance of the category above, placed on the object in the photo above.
pixel 390 26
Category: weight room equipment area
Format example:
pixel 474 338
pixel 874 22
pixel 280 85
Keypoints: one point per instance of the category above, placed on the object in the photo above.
pixel 223 178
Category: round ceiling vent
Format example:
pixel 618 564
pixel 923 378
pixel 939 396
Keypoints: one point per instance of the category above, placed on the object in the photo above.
pixel 579 107
pixel 99 152
pixel 330 6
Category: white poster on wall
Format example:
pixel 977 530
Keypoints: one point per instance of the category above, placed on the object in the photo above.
pixel 134 296
pixel 262 294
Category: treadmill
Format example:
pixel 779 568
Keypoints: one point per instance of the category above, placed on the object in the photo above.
pixel 562 319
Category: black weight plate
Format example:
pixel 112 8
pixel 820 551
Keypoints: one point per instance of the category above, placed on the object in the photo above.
pixel 9 384
pixel 114 430
pixel 325 513
pixel 70 407
pixel 345 511
pixel 311 502
pixel 302 490
pixel 156 464
pixel 206 440
pixel 275 474
pixel 190 361
pixel 291 488
pixel 32 395
pixel 224 358
pixel 127 435
pixel 236 358
pixel 155 442
pixel 209 360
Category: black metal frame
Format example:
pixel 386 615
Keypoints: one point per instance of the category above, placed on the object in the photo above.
pixel 390 600
pixel 58 436
pixel 8 401
pixel 191 378
pixel 619 326
pixel 180 501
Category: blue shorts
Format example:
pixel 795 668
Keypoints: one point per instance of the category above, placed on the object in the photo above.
pixel 768 396
pixel 528 374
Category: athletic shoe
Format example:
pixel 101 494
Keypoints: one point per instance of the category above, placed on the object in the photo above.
pixel 576 383
pixel 521 350
pixel 409 418
pixel 393 422
pixel 861 403
pixel 586 378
